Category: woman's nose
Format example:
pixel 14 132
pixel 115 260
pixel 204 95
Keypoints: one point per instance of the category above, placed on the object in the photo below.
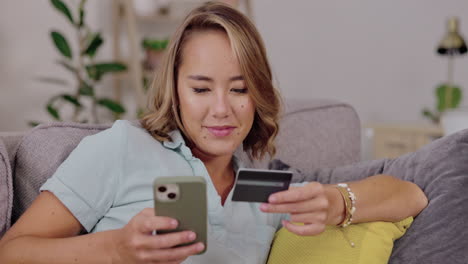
pixel 221 106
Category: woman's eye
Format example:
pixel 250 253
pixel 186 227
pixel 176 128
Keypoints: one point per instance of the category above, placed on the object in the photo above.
pixel 200 90
pixel 239 90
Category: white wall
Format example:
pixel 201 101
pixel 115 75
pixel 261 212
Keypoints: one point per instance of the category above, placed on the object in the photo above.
pixel 378 56
pixel 27 52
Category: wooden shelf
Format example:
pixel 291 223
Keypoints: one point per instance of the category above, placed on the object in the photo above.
pixel 159 19
pixel 395 139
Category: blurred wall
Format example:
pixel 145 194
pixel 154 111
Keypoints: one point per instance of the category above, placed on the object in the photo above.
pixel 379 56
pixel 27 53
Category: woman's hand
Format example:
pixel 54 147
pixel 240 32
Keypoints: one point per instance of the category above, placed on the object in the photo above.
pixel 135 243
pixel 315 205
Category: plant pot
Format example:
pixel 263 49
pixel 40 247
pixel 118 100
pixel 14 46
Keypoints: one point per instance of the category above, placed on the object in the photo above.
pixel 153 58
pixel 454 120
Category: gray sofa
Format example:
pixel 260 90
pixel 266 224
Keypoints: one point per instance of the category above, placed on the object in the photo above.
pixel 317 137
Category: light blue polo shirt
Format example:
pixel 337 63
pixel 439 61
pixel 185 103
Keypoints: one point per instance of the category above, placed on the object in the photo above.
pixel 108 179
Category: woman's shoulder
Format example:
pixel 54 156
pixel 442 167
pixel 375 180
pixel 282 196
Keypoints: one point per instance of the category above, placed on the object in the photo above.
pixel 126 125
pixel 122 129
pixel 121 133
pixel 131 132
pixel 129 136
pixel 134 134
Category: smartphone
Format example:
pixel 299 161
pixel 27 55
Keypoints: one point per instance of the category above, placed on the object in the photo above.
pixel 183 198
pixel 255 185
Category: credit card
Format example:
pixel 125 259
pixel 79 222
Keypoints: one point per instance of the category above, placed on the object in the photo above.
pixel 254 185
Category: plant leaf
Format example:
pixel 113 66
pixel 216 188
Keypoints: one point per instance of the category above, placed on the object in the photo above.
pixel 93 46
pixel 60 6
pixel 455 97
pixel 96 71
pixel 427 113
pixel 81 13
pixel 33 123
pixel 86 89
pixel 155 44
pixel 111 105
pixel 434 117
pixel 72 99
pixel 61 44
pixel 53 112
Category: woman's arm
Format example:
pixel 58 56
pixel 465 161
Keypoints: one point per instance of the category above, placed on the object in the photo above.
pixel 379 198
pixel 48 233
pixel 385 198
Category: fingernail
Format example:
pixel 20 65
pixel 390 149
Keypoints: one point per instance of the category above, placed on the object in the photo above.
pixel 283 222
pixel 200 246
pixel 272 199
pixel 192 235
pixel 174 223
pixel 263 206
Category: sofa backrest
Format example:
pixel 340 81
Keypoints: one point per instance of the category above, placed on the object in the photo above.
pixel 319 134
pixel 313 134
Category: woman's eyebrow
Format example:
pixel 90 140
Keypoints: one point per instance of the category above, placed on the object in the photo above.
pixel 237 78
pixel 208 79
pixel 200 78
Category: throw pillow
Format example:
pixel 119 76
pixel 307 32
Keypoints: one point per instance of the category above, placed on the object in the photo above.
pixel 372 244
pixel 6 190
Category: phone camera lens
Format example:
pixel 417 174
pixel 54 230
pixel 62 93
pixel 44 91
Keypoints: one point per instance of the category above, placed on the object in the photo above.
pixel 162 189
pixel 171 195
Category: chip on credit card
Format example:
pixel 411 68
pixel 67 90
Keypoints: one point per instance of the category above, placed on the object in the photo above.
pixel 254 185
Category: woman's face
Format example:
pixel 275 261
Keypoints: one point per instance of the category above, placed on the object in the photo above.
pixel 215 106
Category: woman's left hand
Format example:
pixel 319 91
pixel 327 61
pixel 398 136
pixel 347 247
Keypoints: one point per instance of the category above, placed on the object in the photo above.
pixel 315 205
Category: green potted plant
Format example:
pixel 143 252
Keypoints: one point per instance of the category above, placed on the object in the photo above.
pixel 447 97
pixel 87 72
pixel 154 49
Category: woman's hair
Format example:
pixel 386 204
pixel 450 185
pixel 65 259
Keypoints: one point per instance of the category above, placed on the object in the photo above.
pixel 248 47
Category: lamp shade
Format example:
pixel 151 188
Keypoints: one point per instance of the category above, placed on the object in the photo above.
pixel 452 43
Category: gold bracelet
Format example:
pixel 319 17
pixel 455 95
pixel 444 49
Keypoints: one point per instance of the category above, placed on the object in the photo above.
pixel 350 203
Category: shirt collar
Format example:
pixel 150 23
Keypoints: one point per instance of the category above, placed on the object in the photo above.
pixel 177 140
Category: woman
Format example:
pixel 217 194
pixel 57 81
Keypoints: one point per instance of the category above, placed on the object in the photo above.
pixel 213 93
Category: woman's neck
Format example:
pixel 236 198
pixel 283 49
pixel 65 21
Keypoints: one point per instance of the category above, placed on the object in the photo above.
pixel 220 170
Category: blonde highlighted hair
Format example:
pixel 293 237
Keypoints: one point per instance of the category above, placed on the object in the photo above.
pixel 247 45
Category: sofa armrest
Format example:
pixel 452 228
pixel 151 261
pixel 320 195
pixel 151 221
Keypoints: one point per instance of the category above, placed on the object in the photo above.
pixel 11 141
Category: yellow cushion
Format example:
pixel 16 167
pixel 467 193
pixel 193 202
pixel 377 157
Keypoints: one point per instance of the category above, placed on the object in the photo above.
pixel 373 244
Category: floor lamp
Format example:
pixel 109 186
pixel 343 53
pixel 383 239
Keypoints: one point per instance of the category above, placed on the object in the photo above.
pixel 451 45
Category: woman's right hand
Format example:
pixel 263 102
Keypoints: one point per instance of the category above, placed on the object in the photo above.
pixel 135 242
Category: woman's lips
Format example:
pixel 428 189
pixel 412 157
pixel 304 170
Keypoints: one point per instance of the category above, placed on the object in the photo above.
pixel 221 131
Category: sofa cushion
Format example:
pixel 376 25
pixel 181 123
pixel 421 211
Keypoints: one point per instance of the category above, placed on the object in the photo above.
pixel 39 154
pixel 6 190
pixel 438 234
pixel 364 243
